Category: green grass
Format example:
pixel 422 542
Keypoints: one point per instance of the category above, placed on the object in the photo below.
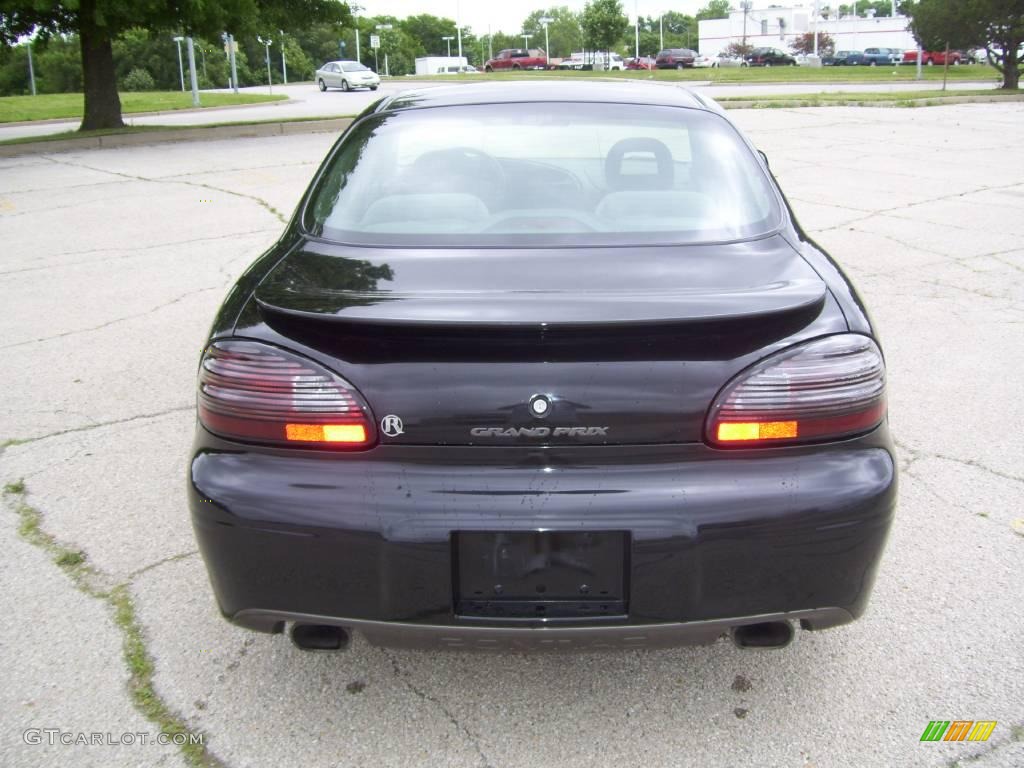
pixel 52 106
pixel 763 74
pixel 892 98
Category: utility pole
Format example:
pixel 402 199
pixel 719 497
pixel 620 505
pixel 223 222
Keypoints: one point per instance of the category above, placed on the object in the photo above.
pixel 192 71
pixel 31 70
pixel 661 32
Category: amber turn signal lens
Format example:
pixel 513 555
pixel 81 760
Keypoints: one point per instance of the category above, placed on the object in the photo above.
pixel 765 430
pixel 325 433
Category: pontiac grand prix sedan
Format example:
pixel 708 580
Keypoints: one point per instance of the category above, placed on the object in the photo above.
pixel 641 408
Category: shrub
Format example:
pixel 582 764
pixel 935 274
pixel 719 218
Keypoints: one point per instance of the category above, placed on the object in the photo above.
pixel 138 80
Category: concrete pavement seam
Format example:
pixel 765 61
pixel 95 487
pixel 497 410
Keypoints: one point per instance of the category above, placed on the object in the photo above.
pixel 93 582
pixel 404 679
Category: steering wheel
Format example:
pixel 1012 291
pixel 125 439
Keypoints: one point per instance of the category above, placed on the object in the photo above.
pixel 486 174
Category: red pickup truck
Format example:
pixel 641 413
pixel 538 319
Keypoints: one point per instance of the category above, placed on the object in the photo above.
pixel 518 58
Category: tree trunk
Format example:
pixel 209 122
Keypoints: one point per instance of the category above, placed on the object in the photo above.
pixel 102 104
pixel 1011 66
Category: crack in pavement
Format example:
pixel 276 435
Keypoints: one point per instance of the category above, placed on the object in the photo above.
pixel 162 561
pixel 128 252
pixel 403 678
pixel 259 200
pixel 116 320
pixel 916 454
pixel 95 583
pixel 97 425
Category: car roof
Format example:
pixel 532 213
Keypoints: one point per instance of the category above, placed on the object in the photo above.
pixel 522 91
pixel 344 61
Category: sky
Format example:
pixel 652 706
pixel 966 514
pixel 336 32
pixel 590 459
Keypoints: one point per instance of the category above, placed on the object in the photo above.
pixel 507 15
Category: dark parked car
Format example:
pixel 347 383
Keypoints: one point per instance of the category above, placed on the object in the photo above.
pixel 675 58
pixel 442 413
pixel 843 58
pixel 884 56
pixel 769 57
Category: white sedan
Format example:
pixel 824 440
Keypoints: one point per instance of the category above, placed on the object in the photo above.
pixel 702 61
pixel 346 75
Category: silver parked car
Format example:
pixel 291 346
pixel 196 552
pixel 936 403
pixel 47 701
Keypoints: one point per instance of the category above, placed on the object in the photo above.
pixel 346 75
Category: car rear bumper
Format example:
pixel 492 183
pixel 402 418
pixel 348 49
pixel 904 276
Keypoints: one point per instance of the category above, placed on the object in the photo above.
pixel 717 538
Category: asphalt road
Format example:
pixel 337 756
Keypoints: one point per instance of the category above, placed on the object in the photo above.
pixel 305 101
pixel 112 265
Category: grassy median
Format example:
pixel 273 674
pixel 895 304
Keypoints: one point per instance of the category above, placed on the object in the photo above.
pixel 51 106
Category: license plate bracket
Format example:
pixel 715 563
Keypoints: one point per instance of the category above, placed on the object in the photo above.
pixel 540 575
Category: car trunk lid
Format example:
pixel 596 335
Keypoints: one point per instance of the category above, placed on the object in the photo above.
pixel 627 345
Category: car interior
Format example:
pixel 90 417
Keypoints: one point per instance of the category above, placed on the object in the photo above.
pixel 687 181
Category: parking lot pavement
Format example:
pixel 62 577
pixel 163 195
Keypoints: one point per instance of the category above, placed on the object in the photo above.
pixel 113 263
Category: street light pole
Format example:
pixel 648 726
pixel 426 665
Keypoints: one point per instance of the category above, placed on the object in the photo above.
pixel 266 44
pixel 545 20
pixel 31 70
pixel 192 71
pixel 661 32
pixel 458 24
pixel 636 12
pixel 181 68
pixel 526 39
pixel 448 39
pixel 284 63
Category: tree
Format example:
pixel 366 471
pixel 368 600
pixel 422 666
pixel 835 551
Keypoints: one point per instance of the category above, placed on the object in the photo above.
pixel 805 44
pixel 715 9
pixel 97 23
pixel 429 33
pixel 565 33
pixel 604 23
pixel 997 25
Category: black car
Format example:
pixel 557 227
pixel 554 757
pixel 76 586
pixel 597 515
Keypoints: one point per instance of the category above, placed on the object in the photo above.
pixel 769 57
pixel 445 413
pixel 675 58
pixel 843 59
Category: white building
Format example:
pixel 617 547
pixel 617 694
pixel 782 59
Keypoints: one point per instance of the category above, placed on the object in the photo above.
pixel 779 27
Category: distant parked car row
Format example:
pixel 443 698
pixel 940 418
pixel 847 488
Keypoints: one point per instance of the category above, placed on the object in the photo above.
pixel 889 56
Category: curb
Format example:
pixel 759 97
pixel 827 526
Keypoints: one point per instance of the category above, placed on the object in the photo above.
pixel 132 115
pixel 198 133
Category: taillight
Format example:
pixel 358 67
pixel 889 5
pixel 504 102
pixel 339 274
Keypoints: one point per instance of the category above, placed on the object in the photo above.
pixel 826 389
pixel 253 391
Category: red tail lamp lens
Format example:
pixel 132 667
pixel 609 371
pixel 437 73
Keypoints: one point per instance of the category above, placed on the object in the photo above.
pixel 253 391
pixel 825 389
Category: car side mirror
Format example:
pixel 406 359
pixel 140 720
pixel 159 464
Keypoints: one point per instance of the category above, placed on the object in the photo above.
pixel 765 158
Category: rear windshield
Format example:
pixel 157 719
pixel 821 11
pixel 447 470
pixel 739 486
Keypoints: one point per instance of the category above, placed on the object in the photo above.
pixel 542 174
